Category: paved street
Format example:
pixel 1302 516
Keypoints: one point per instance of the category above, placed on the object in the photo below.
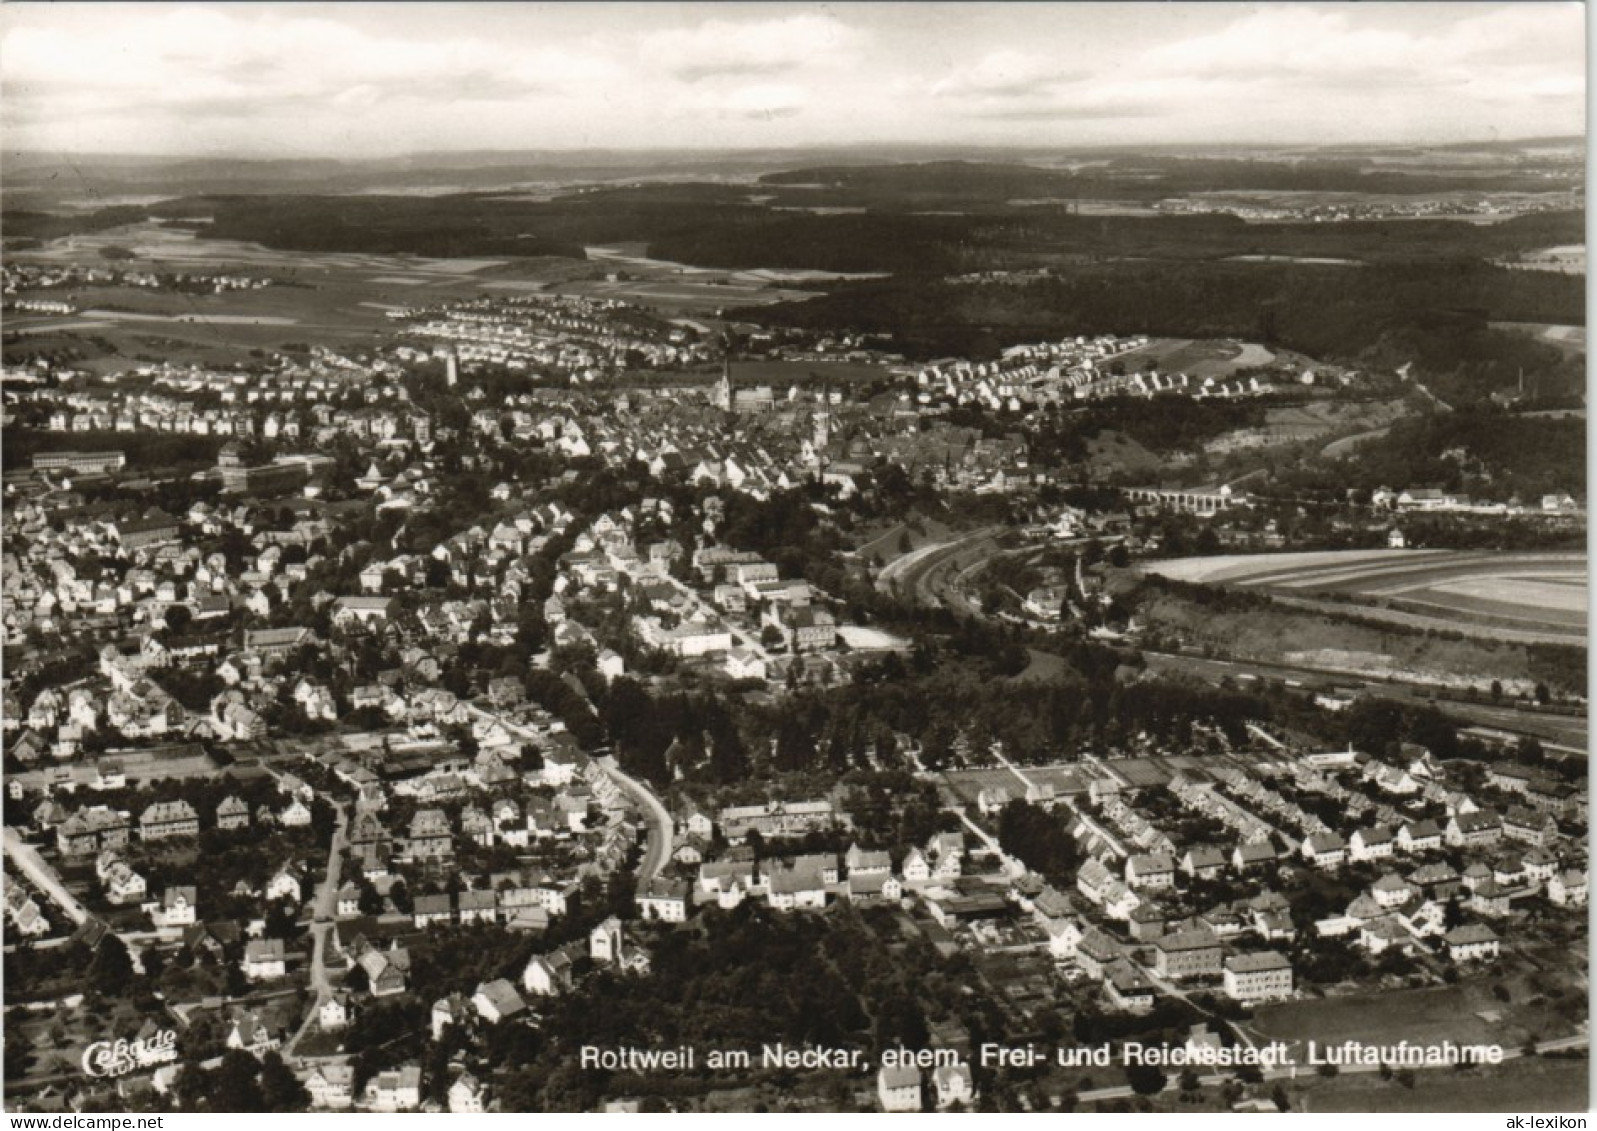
pixel 654 812
pixel 44 877
pixel 321 923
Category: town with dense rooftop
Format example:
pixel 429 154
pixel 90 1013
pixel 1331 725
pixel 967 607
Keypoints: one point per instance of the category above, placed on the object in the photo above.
pixel 1007 633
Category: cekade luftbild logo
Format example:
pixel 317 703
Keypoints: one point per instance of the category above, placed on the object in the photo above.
pixel 118 1058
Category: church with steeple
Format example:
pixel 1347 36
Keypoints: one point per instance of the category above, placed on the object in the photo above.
pixel 728 398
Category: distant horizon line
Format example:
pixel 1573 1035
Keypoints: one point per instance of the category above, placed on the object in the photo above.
pixel 479 152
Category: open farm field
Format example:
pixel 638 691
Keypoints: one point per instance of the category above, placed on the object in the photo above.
pixel 1352 640
pixel 1570 339
pixel 1531 597
pixel 1294 423
pixel 1111 452
pixel 1428 1016
pixel 1043 667
pixel 1566 258
pixel 338 291
pixel 1534 1084
pixel 157 245
pixel 1241 568
pixel 1209 358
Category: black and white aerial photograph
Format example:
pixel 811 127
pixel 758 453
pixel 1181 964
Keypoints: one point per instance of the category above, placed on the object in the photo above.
pixel 794 557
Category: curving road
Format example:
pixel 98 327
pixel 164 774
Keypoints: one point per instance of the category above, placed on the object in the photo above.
pixel 654 813
pixel 32 865
pixel 914 574
pixel 661 832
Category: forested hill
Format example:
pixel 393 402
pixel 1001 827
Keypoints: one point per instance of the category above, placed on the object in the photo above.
pixel 1139 177
pixel 1433 317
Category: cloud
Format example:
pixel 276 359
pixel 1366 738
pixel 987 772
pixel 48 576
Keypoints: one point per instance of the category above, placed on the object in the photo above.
pixel 1314 45
pixel 1002 74
pixel 200 58
pixel 717 48
pixel 330 78
pixel 755 102
pixel 1311 61
pixel 1060 112
pixel 1285 39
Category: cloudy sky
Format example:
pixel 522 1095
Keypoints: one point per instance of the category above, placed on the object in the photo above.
pixel 375 78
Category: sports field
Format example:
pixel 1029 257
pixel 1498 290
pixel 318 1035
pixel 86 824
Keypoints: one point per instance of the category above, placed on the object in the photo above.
pixel 1527 597
pixel 968 784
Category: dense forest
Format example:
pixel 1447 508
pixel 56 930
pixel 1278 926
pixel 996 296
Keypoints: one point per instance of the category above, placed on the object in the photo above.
pixel 22 224
pixel 1139 177
pixel 1484 452
pixel 976 224
pixel 1434 317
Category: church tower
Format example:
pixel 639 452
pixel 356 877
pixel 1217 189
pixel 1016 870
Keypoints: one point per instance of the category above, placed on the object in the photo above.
pixel 722 395
pixel 823 419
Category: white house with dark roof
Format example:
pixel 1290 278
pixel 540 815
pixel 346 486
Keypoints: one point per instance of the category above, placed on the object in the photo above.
pixel 1374 843
pixel 497 1001
pixel 898 1088
pixel 1472 942
pixel 1568 888
pixel 1262 976
pixel 1419 836
pixel 1151 870
pixel 1325 850
pixel 1473 829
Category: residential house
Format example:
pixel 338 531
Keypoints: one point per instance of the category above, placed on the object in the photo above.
pixel 1202 862
pixel 176 909
pixel 166 819
pixel 1419 836
pixel 1474 829
pixel 467 1095
pixel 397 1089
pixel 1188 954
pixel 1253 854
pixel 334 1013
pixel 1472 942
pixel 286 884
pixel 497 1001
pixel 1325 850
pixel 665 900
pixel 1568 888
pixel 547 975
pixel 1375 843
pixel 954 1085
pixel 248 1034
pixel 1260 976
pixel 1152 871
pixel 264 959
pixel 331 1086
pixel 898 1088
pixel 232 813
